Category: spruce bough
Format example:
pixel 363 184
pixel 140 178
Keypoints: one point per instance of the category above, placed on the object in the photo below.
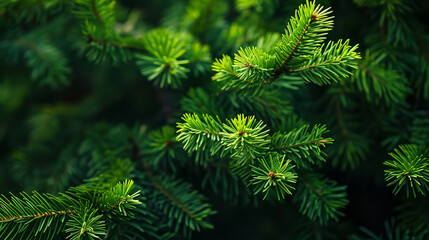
pixel 239 137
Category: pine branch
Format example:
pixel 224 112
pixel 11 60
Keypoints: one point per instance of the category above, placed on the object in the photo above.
pixel 329 63
pixel 44 216
pixel 104 46
pixel 246 143
pixel 104 43
pixel 157 185
pixel 97 15
pixel 162 148
pixel 320 199
pixel 245 138
pixel 196 133
pixel 291 51
pixel 86 225
pixel 162 64
pixel 299 51
pixel 47 63
pixel 180 199
pixel 32 215
pixel 409 168
pixel 110 172
pixel 378 82
pixel 99 12
pixel 226 73
pixel 304 33
pixel 184 205
pixel 253 66
pixel 351 147
pixel 301 145
pixel 118 200
pixel 273 176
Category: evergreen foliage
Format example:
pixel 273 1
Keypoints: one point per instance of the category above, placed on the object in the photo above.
pixel 409 168
pixel 320 199
pixel 163 120
pixel 43 216
pixel 162 63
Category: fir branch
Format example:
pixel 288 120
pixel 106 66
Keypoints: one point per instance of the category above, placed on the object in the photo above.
pixel 267 105
pixel 292 52
pixel 409 168
pixel 180 199
pixel 196 133
pixel 242 137
pixel 301 145
pixel 353 146
pixel 329 63
pixel 99 12
pixel 226 74
pixel 118 200
pixel 32 215
pixel 157 185
pixel 320 199
pixel 304 33
pixel 173 191
pixel 380 83
pixel 162 64
pixel 94 9
pixel 245 138
pixel 273 176
pixel 162 149
pixel 43 216
pixel 299 51
pixel 253 66
pixel 46 62
pixel 86 225
pixel 107 46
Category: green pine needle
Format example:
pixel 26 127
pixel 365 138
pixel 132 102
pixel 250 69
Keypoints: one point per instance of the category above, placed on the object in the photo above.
pixel 273 176
pixel 409 168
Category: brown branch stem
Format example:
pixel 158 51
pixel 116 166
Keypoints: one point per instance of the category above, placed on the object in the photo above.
pixel 45 214
pixel 94 10
pixel 282 68
pixel 297 145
